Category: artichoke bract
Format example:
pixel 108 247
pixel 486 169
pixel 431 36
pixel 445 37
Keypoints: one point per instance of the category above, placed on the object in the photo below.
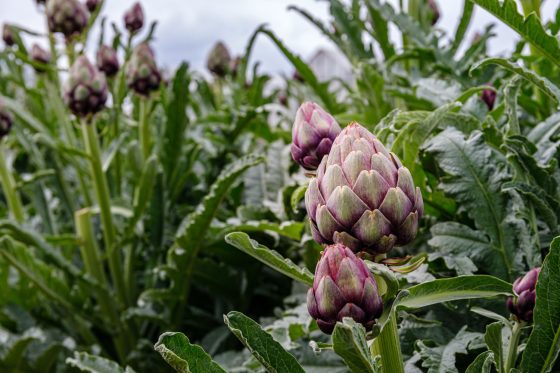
pixel 134 18
pixel 8 35
pixel 86 89
pixel 68 17
pixel 489 97
pixel 107 60
pixel 6 121
pixel 219 60
pixel 363 197
pixel 142 74
pixel 313 134
pixel 92 5
pixel 40 56
pixel 523 304
pixel 343 287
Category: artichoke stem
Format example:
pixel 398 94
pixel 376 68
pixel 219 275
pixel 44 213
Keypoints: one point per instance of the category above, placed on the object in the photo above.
pixel 143 128
pixel 9 188
pixel 388 346
pixel 513 343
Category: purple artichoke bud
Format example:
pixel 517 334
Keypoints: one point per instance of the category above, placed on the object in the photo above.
pixel 107 60
pixel 40 56
pixel 363 197
pixel 92 5
pixel 8 35
pixel 525 288
pixel 142 73
pixel 343 287
pixel 68 17
pixel 134 18
pixel 297 77
pixel 40 2
pixel 86 89
pixel 6 121
pixel 313 133
pixel 219 60
pixel 432 4
pixel 489 97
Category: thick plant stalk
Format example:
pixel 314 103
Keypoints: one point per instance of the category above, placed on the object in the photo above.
pixel 513 343
pixel 388 346
pixel 9 188
pixel 102 193
pixel 144 128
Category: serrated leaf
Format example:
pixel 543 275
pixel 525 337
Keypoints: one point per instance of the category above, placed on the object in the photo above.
pixel 95 364
pixel 482 363
pixel 349 342
pixel 261 344
pixel 183 356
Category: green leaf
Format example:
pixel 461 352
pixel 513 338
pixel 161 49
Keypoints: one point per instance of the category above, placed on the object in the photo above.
pixel 183 356
pixel 463 25
pixel 95 364
pixel 542 83
pixel 529 28
pixel 493 339
pixel 482 363
pixel 272 258
pixel 544 342
pixel 489 314
pixel 261 344
pixel 349 342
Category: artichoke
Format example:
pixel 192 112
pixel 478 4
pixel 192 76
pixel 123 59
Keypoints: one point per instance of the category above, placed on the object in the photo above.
pixel 363 197
pixel 8 35
pixel 92 5
pixel 134 18
pixel 434 8
pixel 489 97
pixel 343 287
pixel 68 17
pixel 219 59
pixel 40 56
pixel 86 89
pixel 6 121
pixel 142 73
pixel 313 133
pixel 107 60
pixel 523 304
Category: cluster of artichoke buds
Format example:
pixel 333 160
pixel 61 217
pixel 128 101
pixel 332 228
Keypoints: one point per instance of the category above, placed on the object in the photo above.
pixel 107 60
pixel 488 96
pixel 521 306
pixel 142 73
pixel 8 35
pixel 92 5
pixel 219 60
pixel 6 121
pixel 134 18
pixel 68 17
pixel 86 90
pixel 343 287
pixel 40 56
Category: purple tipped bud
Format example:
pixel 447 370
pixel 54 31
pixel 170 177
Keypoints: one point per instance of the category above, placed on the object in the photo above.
pixel 142 74
pixel 68 17
pixel 343 287
pixel 39 2
pixel 363 197
pixel 313 134
pixel 134 18
pixel 8 35
pixel 523 304
pixel 219 60
pixel 489 97
pixel 107 60
pixel 435 11
pixel 297 77
pixel 92 5
pixel 40 56
pixel 6 121
pixel 86 89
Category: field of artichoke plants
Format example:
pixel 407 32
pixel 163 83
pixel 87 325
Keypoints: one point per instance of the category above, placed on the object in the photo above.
pixel 403 221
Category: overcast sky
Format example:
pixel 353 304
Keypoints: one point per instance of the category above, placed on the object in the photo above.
pixel 188 28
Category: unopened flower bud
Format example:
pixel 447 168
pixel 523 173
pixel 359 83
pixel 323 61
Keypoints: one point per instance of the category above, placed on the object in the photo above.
pixel 134 18
pixel 92 5
pixel 68 17
pixel 8 35
pixel 524 288
pixel 86 89
pixel 219 59
pixel 39 56
pixel 6 121
pixel 489 97
pixel 107 60
pixel 142 74
pixel 435 11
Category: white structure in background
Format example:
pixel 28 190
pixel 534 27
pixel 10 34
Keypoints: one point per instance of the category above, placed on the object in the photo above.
pixel 330 64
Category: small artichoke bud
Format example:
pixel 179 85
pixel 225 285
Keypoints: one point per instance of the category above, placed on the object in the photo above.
pixel 489 97
pixel 107 60
pixel 313 134
pixel 523 304
pixel 343 287
pixel 434 8
pixel 142 74
pixel 39 2
pixel 134 18
pixel 92 5
pixel 68 17
pixel 363 197
pixel 40 56
pixel 8 35
pixel 86 89
pixel 219 60
pixel 6 121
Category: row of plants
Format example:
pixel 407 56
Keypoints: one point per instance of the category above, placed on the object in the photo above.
pixel 420 191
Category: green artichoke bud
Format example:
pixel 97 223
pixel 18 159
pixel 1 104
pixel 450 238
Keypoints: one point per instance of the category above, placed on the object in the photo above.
pixel 8 35
pixel 6 121
pixel 68 17
pixel 343 287
pixel 86 89
pixel 134 18
pixel 363 197
pixel 219 60
pixel 142 74
pixel 107 60
pixel 525 288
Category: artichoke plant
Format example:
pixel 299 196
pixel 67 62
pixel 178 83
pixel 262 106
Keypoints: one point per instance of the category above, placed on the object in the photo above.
pixel 86 89
pixel 313 134
pixel 134 18
pixel 363 197
pixel 40 56
pixel 489 97
pixel 523 304
pixel 219 60
pixel 6 121
pixel 142 73
pixel 8 35
pixel 68 17
pixel 107 60
pixel 343 287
